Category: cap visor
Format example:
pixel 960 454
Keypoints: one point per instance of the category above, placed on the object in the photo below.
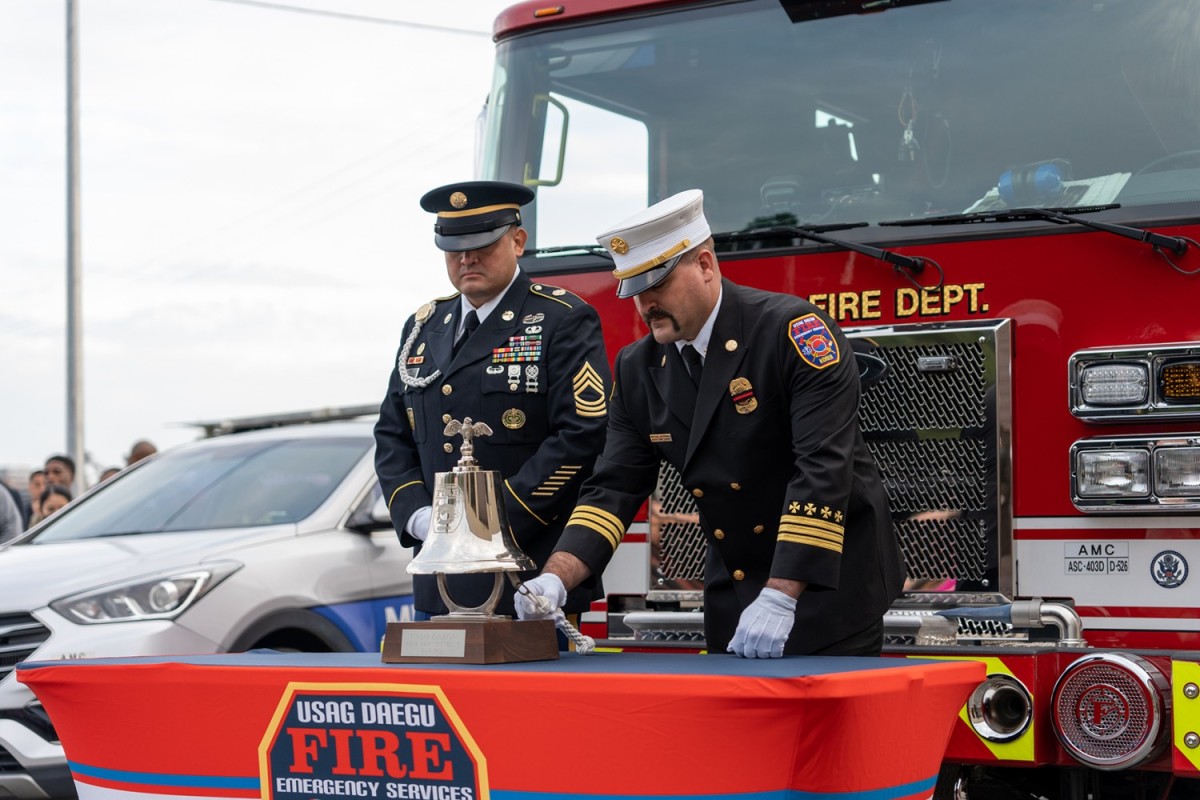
pixel 647 280
pixel 469 241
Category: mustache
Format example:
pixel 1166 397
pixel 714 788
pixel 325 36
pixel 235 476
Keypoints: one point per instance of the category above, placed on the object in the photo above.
pixel 657 313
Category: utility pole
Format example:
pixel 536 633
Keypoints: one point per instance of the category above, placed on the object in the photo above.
pixel 74 251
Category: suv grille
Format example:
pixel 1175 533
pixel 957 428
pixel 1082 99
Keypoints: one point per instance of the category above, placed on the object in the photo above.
pixel 20 635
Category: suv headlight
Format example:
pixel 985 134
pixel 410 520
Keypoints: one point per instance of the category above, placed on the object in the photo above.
pixel 163 596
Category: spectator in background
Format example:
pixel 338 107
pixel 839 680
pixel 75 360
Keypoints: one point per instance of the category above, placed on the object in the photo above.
pixel 141 449
pixel 37 485
pixel 108 473
pixel 60 471
pixel 11 523
pixel 53 498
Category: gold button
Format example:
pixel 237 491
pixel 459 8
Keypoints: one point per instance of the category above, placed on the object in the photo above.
pixel 449 448
pixel 737 487
pixel 720 534
pixel 445 417
pixel 738 575
pixel 758 529
pixel 447 389
pixel 697 493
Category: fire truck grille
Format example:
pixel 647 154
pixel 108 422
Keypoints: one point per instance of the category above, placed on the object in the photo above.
pixel 678 547
pixel 934 424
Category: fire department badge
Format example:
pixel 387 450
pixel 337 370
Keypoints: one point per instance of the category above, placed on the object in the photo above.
pixel 1169 569
pixel 619 246
pixel 814 341
pixel 743 395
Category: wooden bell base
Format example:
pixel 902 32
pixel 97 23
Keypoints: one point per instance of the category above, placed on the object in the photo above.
pixel 467 641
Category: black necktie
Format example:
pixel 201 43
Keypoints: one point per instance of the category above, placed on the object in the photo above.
pixel 469 326
pixel 695 365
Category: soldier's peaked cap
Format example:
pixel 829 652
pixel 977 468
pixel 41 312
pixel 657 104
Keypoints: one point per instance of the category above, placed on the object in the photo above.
pixel 647 246
pixel 474 214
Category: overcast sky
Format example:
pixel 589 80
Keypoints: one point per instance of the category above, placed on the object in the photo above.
pixel 252 239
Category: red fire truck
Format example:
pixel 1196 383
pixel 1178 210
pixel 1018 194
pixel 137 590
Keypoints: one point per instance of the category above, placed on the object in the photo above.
pixel 1000 203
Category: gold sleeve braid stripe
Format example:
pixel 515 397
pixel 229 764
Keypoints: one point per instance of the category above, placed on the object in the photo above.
pixel 599 520
pixel 813 532
pixel 556 481
pixel 524 505
pixel 589 392
pixel 398 488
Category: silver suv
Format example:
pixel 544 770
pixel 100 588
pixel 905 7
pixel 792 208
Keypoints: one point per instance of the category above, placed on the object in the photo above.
pixel 271 539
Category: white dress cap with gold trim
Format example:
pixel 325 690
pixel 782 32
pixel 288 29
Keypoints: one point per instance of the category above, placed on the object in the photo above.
pixel 647 246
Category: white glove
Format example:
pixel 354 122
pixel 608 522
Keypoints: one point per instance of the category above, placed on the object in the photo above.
pixel 764 626
pixel 541 598
pixel 418 523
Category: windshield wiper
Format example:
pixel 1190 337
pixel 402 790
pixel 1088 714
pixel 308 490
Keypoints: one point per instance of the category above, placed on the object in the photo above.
pixel 573 249
pixel 908 266
pixel 1065 216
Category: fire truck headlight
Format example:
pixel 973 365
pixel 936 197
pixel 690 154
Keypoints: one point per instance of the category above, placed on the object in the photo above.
pixel 1114 384
pixel 1113 473
pixel 1110 710
pixel 1177 472
pixel 1000 708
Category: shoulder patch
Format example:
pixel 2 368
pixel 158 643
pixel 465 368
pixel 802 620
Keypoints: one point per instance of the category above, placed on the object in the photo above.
pixel 814 341
pixel 555 293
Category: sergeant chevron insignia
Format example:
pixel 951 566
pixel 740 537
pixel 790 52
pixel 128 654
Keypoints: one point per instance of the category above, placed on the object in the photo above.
pixel 589 392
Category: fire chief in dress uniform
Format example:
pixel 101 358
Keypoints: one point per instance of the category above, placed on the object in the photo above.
pixel 524 357
pixel 753 397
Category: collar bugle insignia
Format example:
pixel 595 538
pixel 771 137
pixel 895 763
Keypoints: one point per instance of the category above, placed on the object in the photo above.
pixel 660 438
pixel 424 312
pixel 532 319
pixel 588 388
pixel 743 395
pixel 513 419
pixel 814 341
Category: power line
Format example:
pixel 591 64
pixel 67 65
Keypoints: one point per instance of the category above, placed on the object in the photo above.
pixel 357 17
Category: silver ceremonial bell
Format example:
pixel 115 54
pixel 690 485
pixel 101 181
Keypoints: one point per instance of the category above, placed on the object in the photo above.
pixel 469 531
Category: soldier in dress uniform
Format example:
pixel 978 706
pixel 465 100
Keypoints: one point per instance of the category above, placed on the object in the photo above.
pixel 524 357
pixel 753 397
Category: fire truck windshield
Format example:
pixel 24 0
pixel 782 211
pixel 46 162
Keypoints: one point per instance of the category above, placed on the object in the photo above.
pixel 927 110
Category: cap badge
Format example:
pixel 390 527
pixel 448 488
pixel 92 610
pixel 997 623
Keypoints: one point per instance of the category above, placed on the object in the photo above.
pixel 742 393
pixel 513 419
pixel 458 199
pixel 619 245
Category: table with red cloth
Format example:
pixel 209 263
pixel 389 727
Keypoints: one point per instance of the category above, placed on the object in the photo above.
pixel 288 726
